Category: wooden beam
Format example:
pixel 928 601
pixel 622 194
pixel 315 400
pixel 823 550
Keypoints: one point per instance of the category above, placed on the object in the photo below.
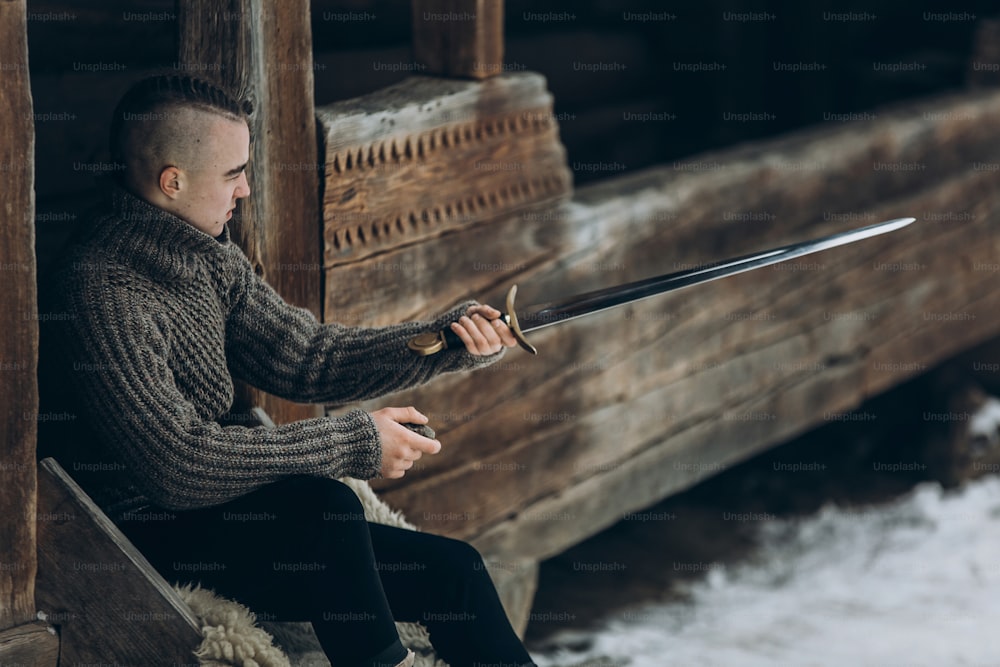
pixel 265 50
pixel 19 316
pixel 458 38
pixel 34 644
pixel 109 604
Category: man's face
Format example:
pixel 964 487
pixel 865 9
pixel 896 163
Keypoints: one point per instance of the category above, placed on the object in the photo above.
pixel 216 177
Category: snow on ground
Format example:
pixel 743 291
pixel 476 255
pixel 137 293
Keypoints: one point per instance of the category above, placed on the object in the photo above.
pixel 912 583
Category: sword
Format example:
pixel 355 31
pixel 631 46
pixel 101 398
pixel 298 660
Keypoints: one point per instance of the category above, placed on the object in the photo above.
pixel 556 312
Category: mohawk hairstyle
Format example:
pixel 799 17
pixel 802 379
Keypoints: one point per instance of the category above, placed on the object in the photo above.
pixel 156 94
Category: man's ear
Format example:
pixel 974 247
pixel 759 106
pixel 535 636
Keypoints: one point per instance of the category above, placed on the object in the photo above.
pixel 171 182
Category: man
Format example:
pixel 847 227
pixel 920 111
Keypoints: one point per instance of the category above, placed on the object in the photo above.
pixel 162 311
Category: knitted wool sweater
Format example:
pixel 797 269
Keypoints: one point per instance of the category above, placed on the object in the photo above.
pixel 157 318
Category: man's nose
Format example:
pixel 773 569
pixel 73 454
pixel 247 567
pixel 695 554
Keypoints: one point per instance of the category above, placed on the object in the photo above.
pixel 243 189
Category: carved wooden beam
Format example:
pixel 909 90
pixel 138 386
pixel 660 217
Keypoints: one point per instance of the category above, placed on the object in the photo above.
pixel 459 38
pixel 265 50
pixel 425 158
pixel 19 313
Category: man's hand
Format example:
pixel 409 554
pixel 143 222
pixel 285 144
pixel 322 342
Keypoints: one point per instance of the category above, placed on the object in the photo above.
pixel 401 446
pixel 482 331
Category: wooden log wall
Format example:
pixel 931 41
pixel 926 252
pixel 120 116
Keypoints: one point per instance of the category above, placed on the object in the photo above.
pixel 626 407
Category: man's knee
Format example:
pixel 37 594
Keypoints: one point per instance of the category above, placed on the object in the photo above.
pixel 333 499
pixel 462 558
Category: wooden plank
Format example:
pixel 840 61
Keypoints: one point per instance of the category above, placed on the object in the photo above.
pixel 459 38
pixel 19 313
pixel 265 50
pixel 698 380
pixel 107 601
pixel 34 644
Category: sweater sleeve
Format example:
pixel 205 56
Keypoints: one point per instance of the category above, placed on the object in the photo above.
pixel 178 458
pixel 283 350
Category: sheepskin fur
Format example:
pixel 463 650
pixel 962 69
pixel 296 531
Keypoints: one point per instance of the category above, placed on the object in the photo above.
pixel 232 637
pixel 231 634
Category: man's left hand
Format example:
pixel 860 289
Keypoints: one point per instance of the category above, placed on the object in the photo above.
pixel 482 331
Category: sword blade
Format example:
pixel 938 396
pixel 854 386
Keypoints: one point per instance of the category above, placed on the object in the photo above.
pixel 556 312
pixel 548 314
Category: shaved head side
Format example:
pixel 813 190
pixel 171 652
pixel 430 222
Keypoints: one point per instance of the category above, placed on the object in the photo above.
pixel 170 137
pixel 163 121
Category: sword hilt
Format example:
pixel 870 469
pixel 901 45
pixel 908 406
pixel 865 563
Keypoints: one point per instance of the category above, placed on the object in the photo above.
pixel 421 429
pixel 427 344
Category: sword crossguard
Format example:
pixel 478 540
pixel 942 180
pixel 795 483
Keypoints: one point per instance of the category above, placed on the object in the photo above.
pixel 427 344
pixel 515 327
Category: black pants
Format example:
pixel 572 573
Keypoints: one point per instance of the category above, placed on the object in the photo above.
pixel 301 550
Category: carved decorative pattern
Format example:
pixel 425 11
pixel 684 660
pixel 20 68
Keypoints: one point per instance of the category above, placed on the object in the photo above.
pixel 390 150
pixel 407 187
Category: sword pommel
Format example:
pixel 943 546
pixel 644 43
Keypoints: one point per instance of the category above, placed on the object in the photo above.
pixel 427 344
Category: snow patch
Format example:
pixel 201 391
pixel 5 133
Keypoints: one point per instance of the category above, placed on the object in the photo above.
pixel 913 583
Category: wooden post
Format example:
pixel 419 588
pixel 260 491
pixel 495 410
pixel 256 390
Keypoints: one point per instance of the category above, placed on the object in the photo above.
pixel 459 38
pixel 264 49
pixel 22 640
pixel 19 310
